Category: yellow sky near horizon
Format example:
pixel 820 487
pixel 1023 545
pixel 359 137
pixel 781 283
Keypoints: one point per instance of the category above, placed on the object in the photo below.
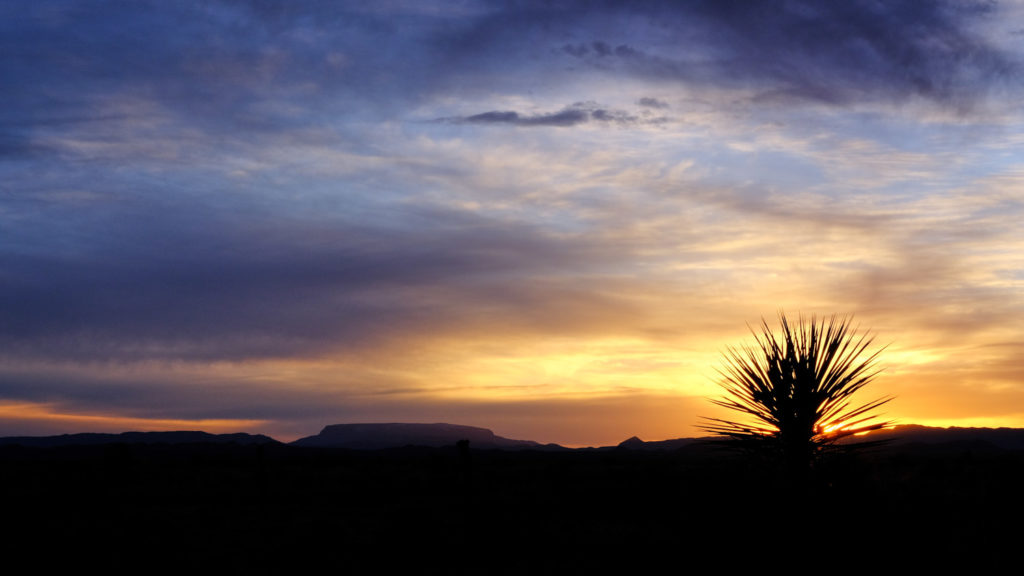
pixel 574 392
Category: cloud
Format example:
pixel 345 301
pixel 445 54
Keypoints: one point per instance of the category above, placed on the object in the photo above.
pixel 652 103
pixel 200 285
pixel 600 49
pixel 574 115
pixel 569 117
pixel 240 71
pixel 837 54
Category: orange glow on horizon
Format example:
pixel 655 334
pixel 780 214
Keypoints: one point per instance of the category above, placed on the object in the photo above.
pixel 113 423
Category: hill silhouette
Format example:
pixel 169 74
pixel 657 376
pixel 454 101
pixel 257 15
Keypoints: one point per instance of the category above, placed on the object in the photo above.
pixel 377 436
pixel 917 436
pixel 174 437
pixel 199 501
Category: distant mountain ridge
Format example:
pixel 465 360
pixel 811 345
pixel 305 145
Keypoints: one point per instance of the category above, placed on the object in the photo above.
pixel 914 434
pixel 97 439
pixel 635 443
pixel 907 436
pixel 396 435
pixel 375 436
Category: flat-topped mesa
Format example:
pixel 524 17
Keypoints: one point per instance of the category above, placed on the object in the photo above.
pixel 394 435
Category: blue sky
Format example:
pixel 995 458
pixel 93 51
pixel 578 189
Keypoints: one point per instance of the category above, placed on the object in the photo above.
pixel 547 218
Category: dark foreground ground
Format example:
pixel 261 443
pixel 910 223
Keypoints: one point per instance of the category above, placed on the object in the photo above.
pixel 240 508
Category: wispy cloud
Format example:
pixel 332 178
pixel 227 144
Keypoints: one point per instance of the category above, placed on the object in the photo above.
pixel 574 115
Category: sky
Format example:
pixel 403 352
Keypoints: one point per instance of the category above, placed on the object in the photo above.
pixel 550 219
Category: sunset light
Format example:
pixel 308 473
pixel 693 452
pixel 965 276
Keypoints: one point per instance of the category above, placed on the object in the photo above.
pixel 550 221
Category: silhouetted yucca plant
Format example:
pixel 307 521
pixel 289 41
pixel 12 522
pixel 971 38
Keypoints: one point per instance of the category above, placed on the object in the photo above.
pixel 795 387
